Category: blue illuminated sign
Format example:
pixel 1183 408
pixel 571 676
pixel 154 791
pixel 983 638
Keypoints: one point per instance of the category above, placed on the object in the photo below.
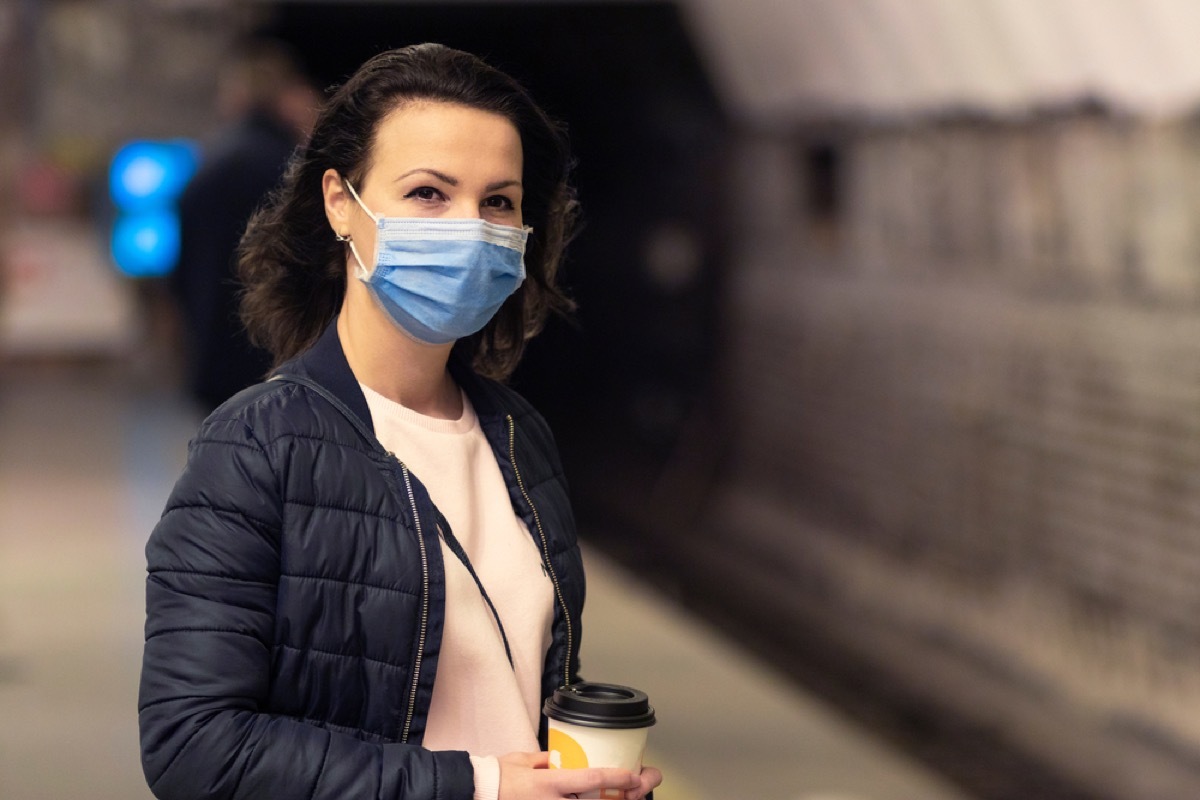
pixel 146 243
pixel 145 179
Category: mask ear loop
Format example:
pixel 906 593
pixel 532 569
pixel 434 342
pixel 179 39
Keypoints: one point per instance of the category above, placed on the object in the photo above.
pixel 358 200
pixel 363 274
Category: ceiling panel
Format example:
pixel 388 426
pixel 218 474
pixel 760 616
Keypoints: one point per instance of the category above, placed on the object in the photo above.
pixel 796 59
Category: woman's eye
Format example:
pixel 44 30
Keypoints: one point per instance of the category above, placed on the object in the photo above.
pixel 427 193
pixel 500 202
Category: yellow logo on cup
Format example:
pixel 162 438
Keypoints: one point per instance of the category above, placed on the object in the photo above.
pixel 565 752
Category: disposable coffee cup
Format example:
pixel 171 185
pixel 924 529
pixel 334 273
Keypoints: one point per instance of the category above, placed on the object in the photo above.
pixel 598 725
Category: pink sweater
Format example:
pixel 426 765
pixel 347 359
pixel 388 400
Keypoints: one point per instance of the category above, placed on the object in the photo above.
pixel 480 704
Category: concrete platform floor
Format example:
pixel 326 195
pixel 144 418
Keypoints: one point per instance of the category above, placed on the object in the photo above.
pixel 87 456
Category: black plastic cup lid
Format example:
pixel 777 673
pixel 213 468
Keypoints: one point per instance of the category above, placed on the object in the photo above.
pixel 600 705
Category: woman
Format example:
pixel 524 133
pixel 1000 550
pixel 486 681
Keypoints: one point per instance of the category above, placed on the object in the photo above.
pixel 366 581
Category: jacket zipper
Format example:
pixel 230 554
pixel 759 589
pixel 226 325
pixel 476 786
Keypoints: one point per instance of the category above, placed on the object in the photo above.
pixel 537 520
pixel 416 674
pixel 369 436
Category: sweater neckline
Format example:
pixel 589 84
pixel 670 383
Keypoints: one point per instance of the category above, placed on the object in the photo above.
pixel 387 409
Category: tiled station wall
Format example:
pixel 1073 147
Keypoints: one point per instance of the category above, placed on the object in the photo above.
pixel 966 396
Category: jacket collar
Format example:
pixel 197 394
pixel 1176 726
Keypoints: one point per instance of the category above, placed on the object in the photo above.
pixel 325 362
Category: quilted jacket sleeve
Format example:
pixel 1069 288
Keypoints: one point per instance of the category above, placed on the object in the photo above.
pixel 213 564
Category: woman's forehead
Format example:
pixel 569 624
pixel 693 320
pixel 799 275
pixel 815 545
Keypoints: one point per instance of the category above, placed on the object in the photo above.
pixel 431 134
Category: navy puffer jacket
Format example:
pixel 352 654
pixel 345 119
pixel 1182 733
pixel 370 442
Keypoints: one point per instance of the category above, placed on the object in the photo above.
pixel 294 601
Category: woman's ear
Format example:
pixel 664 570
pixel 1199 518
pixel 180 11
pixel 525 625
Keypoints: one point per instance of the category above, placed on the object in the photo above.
pixel 337 202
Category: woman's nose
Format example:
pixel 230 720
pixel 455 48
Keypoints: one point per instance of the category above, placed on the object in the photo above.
pixel 465 209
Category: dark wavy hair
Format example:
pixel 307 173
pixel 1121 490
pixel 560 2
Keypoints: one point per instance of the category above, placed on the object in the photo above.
pixel 294 270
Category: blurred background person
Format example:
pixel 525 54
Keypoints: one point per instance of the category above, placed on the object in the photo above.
pixel 270 103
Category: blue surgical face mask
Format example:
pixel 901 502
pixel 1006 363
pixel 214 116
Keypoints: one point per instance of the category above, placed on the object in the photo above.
pixel 442 279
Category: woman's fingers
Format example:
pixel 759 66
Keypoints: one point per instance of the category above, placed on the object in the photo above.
pixel 524 776
pixel 579 781
pixel 648 781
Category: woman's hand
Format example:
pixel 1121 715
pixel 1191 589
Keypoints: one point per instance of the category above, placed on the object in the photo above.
pixel 649 778
pixel 524 776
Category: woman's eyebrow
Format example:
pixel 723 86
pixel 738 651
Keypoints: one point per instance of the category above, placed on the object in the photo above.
pixel 441 176
pixel 498 185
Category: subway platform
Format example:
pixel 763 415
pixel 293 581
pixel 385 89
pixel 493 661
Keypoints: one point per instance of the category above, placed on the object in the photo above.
pixel 87 456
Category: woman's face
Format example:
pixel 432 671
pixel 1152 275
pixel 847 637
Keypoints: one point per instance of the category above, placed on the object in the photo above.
pixel 433 159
